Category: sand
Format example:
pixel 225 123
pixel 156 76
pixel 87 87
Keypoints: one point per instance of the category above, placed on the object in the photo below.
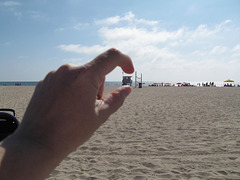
pixel 159 133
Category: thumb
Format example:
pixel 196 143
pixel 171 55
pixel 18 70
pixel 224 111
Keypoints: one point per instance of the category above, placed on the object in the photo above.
pixel 112 102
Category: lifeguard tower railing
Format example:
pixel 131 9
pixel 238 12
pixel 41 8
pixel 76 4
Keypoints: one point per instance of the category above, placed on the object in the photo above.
pixel 138 80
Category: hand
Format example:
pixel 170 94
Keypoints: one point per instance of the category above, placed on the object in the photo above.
pixel 67 107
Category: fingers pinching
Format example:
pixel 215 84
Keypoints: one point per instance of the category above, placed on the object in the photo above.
pixel 107 61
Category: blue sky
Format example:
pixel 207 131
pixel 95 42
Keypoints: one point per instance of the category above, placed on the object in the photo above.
pixel 174 40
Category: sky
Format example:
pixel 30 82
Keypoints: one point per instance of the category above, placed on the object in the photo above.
pixel 168 41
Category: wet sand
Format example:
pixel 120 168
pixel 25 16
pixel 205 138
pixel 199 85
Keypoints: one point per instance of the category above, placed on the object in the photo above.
pixel 159 133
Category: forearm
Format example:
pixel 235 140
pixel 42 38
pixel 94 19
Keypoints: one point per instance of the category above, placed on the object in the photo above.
pixel 22 158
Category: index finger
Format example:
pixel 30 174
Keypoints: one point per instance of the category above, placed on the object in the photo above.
pixel 107 61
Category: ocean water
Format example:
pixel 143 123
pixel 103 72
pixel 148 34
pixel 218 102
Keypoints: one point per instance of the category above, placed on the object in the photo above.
pixel 34 83
pixel 18 83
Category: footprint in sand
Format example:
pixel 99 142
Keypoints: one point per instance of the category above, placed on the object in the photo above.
pixel 233 158
pixel 149 165
pixel 223 173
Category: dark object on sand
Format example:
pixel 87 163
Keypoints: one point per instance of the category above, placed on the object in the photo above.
pixel 8 123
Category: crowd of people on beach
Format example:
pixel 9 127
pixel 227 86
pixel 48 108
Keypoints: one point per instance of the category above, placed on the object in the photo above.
pixel 207 84
pixel 210 84
pixel 231 85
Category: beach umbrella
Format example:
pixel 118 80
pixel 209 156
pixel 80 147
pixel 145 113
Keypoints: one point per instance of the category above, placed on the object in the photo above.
pixel 229 80
pixel 179 83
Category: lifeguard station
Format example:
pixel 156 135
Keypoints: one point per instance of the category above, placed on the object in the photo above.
pixel 127 80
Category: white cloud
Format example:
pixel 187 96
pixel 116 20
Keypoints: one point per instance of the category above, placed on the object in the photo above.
pixel 9 3
pixel 207 52
pixel 109 21
pixel 11 6
pixel 203 31
pixel 138 35
pixel 116 19
pixel 80 26
pixel 218 50
pixel 76 27
pixel 236 52
pixel 236 48
pixel 76 48
pixel 35 14
pixel 223 24
pixel 129 18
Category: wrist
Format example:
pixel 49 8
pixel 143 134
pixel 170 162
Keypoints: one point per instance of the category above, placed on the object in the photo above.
pixel 26 157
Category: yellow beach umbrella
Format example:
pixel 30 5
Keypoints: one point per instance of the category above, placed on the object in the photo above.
pixel 229 80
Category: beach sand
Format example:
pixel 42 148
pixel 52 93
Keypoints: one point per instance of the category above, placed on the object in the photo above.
pixel 159 133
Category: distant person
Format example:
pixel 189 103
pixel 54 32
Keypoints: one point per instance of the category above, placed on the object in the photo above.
pixel 66 108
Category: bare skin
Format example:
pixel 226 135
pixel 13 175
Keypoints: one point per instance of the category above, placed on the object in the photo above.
pixel 67 107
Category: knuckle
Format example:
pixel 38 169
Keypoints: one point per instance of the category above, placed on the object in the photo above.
pixel 113 52
pixel 64 68
pixel 55 75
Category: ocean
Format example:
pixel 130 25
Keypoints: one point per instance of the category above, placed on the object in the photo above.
pixel 18 83
pixel 34 83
